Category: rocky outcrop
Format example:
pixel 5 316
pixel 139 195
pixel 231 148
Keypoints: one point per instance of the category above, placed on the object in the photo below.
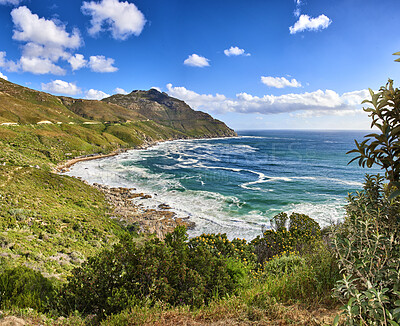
pixel 158 221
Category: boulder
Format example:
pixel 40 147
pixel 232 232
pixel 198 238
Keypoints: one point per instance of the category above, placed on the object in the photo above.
pixel 12 321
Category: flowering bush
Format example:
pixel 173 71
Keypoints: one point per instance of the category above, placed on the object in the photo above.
pixel 174 271
pixel 303 233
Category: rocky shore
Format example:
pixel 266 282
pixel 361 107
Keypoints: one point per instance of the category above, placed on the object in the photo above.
pixel 137 216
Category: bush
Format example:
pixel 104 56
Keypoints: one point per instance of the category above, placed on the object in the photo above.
pixel 368 242
pixel 308 279
pixel 25 288
pixel 174 271
pixel 302 235
pixel 368 249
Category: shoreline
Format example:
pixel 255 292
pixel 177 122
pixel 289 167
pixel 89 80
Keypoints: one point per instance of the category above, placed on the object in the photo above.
pixel 63 167
pixel 158 221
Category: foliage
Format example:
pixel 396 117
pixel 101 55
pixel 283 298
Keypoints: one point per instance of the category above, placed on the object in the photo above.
pixel 219 245
pixel 368 250
pixel 367 244
pixel 172 271
pixel 307 279
pixel 382 149
pixel 301 235
pixel 23 287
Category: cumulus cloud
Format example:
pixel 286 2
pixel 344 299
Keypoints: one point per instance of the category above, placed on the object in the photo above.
pixel 279 82
pixel 77 61
pixel 9 2
pixel 121 18
pixel 8 65
pixel 99 63
pixel 3 76
pixel 234 50
pixel 40 66
pixel 44 38
pixel 305 22
pixel 94 94
pixel 44 43
pixel 326 102
pixel 61 87
pixel 120 91
pixel 195 60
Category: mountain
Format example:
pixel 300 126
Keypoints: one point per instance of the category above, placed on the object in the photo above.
pixel 171 112
pixel 23 105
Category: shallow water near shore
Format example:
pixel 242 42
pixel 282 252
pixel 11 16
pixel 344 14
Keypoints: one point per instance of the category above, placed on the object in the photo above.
pixel 235 185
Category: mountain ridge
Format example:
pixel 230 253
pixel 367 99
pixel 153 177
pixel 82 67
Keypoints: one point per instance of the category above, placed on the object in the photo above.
pixel 22 105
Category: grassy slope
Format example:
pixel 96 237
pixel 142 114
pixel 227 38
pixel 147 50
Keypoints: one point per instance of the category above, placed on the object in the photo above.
pixel 52 222
pixel 46 215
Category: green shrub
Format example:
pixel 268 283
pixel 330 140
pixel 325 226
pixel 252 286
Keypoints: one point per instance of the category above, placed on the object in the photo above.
pixel 25 288
pixel 302 235
pixel 173 271
pixel 367 244
pixel 368 250
pixel 308 279
pixel 283 265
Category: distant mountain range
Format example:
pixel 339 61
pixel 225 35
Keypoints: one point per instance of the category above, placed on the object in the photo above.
pixel 22 105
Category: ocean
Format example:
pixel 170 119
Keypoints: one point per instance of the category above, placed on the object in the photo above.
pixel 235 185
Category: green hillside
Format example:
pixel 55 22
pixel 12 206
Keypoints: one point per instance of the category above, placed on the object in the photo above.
pixel 51 222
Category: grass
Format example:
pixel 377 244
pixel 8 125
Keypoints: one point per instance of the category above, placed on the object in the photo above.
pixel 51 222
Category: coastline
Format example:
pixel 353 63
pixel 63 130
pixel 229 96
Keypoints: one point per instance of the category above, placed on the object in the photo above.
pixel 63 167
pixel 148 220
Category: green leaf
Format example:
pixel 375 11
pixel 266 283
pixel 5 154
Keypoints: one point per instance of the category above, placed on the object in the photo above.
pixel 394 194
pixel 336 321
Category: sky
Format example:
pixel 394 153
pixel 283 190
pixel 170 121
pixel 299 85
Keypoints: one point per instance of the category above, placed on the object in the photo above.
pixel 255 64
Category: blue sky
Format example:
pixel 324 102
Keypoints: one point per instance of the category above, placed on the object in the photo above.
pixel 254 64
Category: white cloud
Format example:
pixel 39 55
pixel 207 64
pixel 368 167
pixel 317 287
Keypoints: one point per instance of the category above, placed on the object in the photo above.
pixel 319 102
pixel 9 65
pixel 9 2
pixel 234 50
pixel 195 60
pixel 100 63
pixel 297 11
pixel 94 94
pixel 279 82
pixel 77 61
pixel 40 66
pixel 120 91
pixel 61 87
pixel 45 42
pixel 3 76
pixel 44 38
pixel 305 22
pixel 121 18
pixel 52 52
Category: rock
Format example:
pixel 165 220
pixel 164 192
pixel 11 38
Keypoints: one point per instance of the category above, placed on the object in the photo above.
pixel 164 206
pixel 12 321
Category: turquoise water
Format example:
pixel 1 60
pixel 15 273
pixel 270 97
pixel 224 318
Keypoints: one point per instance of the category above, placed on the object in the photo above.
pixel 235 185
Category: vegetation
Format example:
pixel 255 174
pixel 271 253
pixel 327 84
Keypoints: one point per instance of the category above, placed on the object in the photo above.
pixel 368 242
pixel 103 274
